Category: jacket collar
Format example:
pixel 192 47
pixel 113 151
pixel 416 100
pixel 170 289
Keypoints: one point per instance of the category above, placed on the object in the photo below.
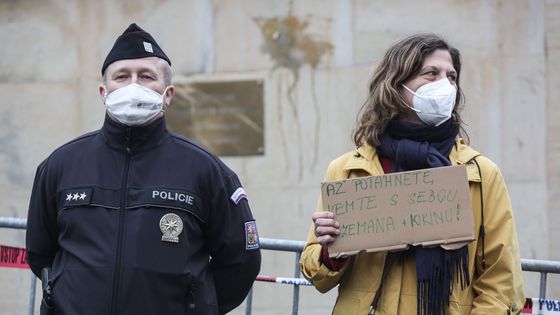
pixel 134 139
pixel 462 154
pixel 365 158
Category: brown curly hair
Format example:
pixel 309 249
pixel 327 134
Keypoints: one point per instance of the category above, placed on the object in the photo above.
pixel 401 62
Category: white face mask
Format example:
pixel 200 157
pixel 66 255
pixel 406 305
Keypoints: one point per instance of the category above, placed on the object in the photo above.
pixel 434 101
pixel 134 104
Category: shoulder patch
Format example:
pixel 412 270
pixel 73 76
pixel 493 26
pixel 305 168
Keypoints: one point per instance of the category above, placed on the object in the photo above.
pixel 238 195
pixel 251 235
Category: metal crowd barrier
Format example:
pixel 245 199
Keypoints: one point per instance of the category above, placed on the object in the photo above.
pixel 544 267
pixel 286 246
pixel 21 224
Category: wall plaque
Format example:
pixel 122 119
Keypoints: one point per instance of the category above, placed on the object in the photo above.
pixel 226 117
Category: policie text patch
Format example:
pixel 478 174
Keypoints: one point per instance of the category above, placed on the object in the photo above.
pixel 179 199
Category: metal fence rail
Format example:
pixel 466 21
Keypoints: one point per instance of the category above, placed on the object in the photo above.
pixel 544 267
pixel 13 223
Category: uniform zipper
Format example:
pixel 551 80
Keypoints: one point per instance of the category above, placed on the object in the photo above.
pixel 190 299
pixel 122 216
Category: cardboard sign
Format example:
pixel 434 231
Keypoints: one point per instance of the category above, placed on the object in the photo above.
pixel 390 212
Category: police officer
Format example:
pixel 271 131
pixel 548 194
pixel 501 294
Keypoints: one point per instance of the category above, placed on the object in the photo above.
pixel 132 219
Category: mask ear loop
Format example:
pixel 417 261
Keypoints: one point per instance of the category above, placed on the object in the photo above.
pixel 414 109
pixel 163 99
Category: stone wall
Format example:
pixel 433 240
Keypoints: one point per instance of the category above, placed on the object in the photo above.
pixel 50 69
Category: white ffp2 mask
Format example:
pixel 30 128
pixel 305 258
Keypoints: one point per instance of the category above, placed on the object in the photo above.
pixel 134 104
pixel 434 101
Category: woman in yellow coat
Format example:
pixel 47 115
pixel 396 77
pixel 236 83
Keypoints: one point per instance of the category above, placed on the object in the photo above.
pixel 411 121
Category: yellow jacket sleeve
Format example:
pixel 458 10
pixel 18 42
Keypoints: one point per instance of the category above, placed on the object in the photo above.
pixel 498 285
pixel 310 262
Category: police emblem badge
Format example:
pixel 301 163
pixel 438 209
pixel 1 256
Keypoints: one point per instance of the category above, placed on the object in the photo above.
pixel 251 235
pixel 171 226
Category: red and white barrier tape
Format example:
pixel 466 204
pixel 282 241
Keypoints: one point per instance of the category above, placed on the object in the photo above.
pixel 13 257
pixel 541 306
pixel 292 281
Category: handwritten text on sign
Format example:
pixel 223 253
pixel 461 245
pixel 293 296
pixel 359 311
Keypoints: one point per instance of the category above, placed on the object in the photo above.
pixel 427 207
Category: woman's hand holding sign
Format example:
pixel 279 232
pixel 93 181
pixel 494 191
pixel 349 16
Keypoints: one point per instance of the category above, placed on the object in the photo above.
pixel 327 229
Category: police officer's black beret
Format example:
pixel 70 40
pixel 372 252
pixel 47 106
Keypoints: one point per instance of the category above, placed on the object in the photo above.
pixel 134 43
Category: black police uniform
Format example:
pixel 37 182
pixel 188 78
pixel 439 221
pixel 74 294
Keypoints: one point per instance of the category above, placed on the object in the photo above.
pixel 98 212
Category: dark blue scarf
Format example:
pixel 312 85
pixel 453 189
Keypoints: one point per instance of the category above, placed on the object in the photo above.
pixel 412 146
